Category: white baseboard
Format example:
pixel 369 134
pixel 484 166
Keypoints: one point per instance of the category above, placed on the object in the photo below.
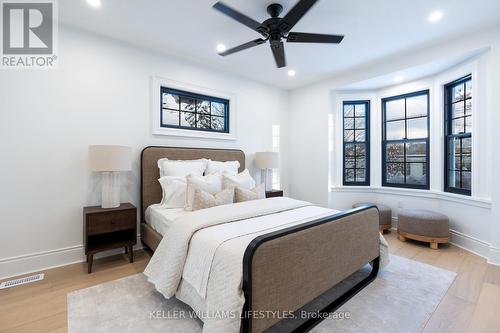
pixel 36 262
pixel 494 257
pixel 471 244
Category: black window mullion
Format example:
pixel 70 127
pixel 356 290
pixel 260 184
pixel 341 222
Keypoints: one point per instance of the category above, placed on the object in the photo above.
pixel 404 142
pixel 355 154
pixel 355 144
pixel 196 97
pixel 459 138
pixel 465 118
pixel 461 159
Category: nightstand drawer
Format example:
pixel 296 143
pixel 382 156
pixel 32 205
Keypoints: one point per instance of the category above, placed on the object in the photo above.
pixel 274 193
pixel 111 222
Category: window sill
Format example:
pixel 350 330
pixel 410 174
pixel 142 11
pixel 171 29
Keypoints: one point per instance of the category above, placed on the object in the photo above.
pixel 431 194
pixel 193 133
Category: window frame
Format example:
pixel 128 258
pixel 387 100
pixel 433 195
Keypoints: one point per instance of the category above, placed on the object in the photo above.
pixel 195 96
pixel 366 142
pixel 448 118
pixel 385 142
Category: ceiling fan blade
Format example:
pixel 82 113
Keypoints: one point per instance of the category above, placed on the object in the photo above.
pixel 278 49
pixel 303 37
pixel 243 47
pixel 241 18
pixel 295 14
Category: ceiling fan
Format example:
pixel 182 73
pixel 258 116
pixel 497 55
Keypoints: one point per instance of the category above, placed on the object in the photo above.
pixel 276 28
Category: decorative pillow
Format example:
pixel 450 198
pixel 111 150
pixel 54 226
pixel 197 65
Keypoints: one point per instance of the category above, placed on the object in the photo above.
pixel 243 180
pixel 241 194
pixel 203 199
pixel 180 168
pixel 231 167
pixel 174 191
pixel 210 183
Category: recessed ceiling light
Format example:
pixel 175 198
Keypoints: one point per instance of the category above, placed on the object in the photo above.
pixel 435 16
pixel 94 3
pixel 398 79
pixel 221 48
pixel 292 72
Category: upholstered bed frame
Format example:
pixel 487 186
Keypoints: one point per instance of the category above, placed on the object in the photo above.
pixel 150 187
pixel 288 269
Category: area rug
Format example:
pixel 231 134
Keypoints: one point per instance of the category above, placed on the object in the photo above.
pixel 401 299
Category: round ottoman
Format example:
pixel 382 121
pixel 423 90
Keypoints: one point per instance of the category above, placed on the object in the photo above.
pixel 424 226
pixel 384 215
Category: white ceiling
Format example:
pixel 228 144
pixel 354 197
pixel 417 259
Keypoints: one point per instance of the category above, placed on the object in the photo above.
pixel 190 29
pixel 412 73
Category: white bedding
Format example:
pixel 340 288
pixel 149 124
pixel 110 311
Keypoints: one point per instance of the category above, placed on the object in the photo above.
pixel 206 242
pixel 160 219
pixel 200 259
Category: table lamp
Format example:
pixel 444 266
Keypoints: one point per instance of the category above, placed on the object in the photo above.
pixel 266 161
pixel 110 161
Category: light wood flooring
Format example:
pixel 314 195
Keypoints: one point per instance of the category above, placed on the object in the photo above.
pixel 472 304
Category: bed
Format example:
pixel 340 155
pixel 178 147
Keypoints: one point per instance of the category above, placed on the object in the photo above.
pixel 250 266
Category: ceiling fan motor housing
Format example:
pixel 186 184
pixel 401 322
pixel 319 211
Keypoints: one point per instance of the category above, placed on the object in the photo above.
pixel 274 9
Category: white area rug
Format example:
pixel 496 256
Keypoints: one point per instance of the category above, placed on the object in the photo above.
pixel 401 299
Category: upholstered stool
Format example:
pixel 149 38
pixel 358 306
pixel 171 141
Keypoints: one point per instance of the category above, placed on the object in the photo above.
pixel 384 215
pixel 424 226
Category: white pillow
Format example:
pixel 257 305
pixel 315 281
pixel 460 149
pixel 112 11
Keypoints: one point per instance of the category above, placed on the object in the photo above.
pixel 243 180
pixel 203 199
pixel 180 168
pixel 230 167
pixel 174 192
pixel 258 192
pixel 209 183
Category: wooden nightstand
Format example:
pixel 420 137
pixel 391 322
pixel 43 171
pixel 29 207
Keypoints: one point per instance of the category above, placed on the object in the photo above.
pixel 109 228
pixel 274 193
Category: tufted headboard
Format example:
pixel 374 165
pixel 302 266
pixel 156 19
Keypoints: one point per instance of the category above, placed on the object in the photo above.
pixel 150 187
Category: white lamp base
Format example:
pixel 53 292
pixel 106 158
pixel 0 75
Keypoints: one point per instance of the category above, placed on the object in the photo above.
pixel 266 176
pixel 110 190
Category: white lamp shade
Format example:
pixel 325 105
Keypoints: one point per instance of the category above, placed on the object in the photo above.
pixel 267 160
pixel 104 158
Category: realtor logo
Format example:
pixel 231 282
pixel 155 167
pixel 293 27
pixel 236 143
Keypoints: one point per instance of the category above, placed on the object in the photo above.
pixel 28 34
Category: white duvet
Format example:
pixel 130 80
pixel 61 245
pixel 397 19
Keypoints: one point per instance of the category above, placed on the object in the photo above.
pixel 200 259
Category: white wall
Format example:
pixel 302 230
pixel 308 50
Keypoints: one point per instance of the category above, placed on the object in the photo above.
pixel 475 222
pixel 100 94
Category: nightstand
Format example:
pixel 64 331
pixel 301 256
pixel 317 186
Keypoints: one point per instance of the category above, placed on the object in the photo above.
pixel 109 228
pixel 274 193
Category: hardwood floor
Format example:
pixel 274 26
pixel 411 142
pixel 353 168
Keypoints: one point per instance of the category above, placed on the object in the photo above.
pixel 41 306
pixel 471 304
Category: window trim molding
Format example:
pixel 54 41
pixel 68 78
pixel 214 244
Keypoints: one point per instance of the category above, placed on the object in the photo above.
pixel 385 141
pixel 416 193
pixel 446 114
pixel 157 129
pixel 367 142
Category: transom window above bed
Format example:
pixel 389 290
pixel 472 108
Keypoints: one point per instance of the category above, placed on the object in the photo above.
pixel 356 133
pixel 405 141
pixel 186 110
